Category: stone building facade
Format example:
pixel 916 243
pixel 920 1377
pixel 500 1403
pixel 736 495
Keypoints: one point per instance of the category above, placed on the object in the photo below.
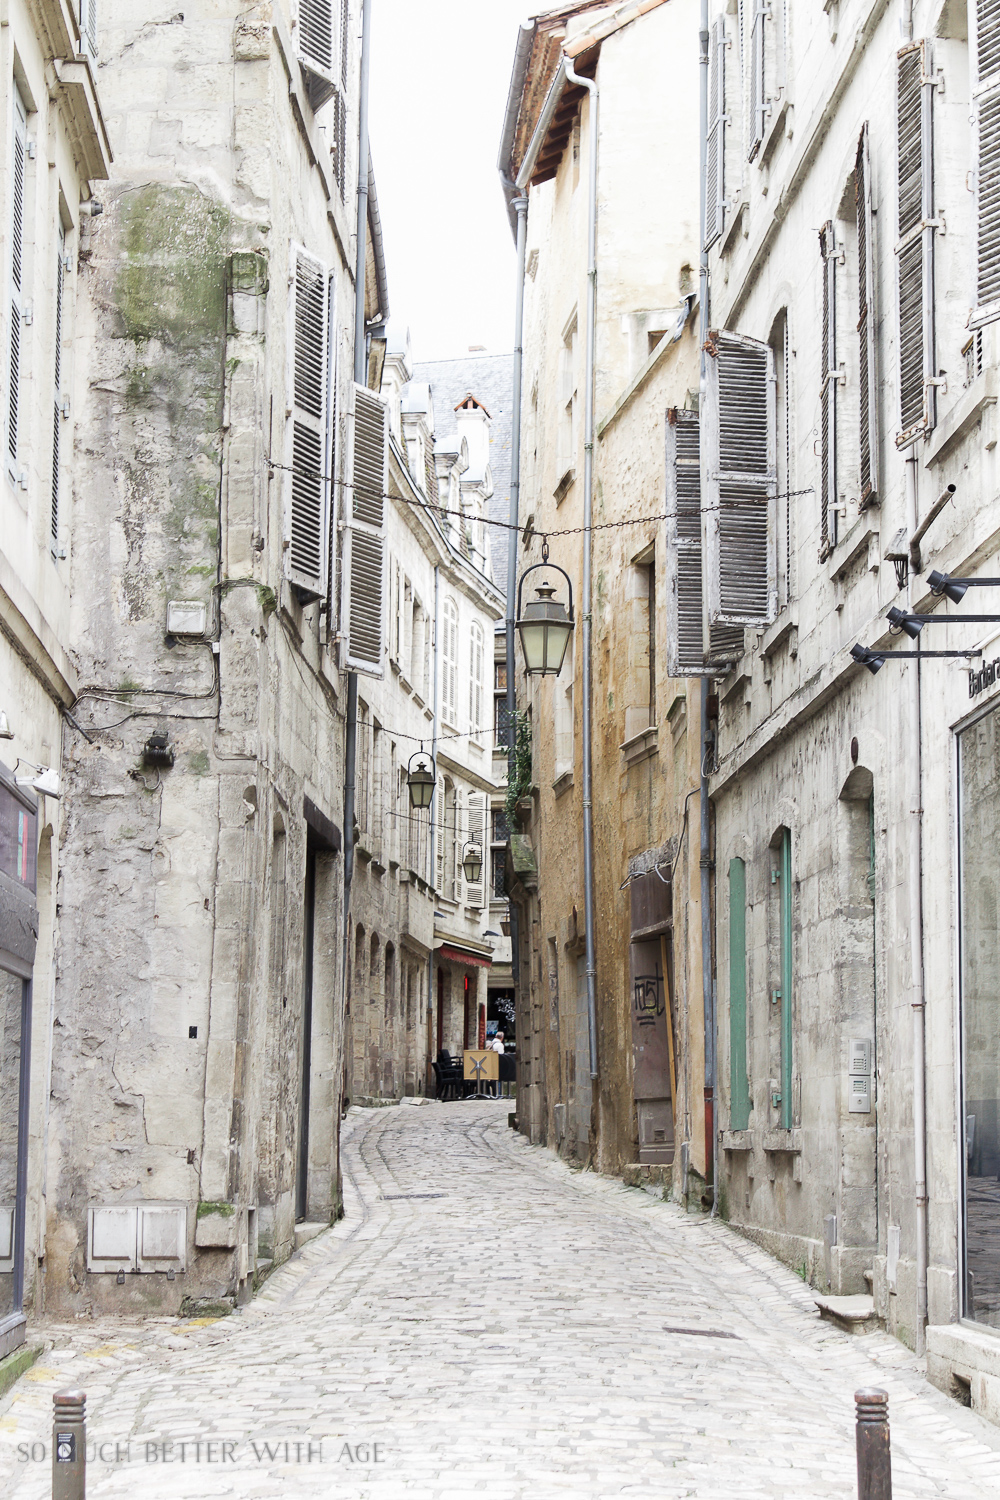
pixel 647 1102
pixel 55 153
pixel 197 1011
pixel 849 424
pixel 420 951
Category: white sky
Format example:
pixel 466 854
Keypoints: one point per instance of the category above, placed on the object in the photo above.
pixel 440 74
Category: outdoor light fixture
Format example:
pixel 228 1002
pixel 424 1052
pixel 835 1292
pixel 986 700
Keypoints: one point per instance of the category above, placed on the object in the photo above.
pixel 876 660
pixel 421 778
pixel 472 863
pixel 912 625
pixel 6 733
pixel 544 624
pixel 45 780
pixel 952 588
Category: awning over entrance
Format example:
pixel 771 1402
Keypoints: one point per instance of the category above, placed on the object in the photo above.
pixel 458 955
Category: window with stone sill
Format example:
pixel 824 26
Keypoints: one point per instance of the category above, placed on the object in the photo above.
pixel 640 702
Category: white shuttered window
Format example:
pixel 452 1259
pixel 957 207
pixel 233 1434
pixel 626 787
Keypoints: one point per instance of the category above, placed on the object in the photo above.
pixel 986 101
pixel 57 416
pixel 757 100
pixel 15 273
pixel 739 482
pixel 868 427
pixel 477 658
pixel 828 391
pixel 915 247
pixel 363 566
pixel 715 156
pixel 449 662
pixel 311 427
pixel 477 835
pixel 323 45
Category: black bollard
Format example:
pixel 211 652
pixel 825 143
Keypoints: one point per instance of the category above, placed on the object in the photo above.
pixel 69 1446
pixel 874 1458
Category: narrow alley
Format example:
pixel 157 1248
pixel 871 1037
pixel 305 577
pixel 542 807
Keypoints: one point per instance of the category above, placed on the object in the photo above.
pixel 486 1320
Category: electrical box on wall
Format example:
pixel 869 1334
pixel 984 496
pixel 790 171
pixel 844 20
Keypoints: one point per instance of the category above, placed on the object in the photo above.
pixel 185 617
pixel 137 1237
pixel 6 1240
pixel 859 1076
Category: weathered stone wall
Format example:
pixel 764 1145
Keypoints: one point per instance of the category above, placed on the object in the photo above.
pixel 182 1042
pixel 643 763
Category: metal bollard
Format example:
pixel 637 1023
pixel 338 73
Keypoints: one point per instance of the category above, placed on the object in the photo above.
pixel 874 1458
pixel 69 1446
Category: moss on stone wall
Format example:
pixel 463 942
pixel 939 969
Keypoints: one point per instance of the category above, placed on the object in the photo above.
pixel 170 296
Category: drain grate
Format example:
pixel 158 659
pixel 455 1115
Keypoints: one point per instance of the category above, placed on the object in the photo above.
pixel 704 1333
pixel 405 1197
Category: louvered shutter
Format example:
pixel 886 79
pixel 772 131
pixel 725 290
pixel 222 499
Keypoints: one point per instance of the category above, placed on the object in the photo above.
pixel 312 460
pixel 363 568
pixel 439 812
pixel 57 396
pixel 915 249
pixel 686 655
pixel 477 835
pixel 739 481
pixel 828 390
pixel 868 428
pixel 88 26
pixel 758 101
pixel 456 847
pixel 16 277
pixel 715 158
pixel 986 101
pixel 319 42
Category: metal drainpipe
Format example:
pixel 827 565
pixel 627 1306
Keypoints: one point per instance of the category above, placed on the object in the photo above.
pixel 588 516
pixel 520 205
pixel 917 1001
pixel 705 852
pixel 434 806
pixel 360 375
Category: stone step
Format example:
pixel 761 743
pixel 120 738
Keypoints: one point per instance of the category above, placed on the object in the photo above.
pixel 852 1314
pixel 306 1232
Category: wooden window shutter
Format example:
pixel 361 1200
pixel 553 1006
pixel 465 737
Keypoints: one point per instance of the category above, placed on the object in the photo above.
pixel 477 835
pixel 758 99
pixel 715 159
pixel 686 655
pixel 915 248
pixel 868 425
pixel 986 102
pixel 363 567
pixel 19 152
pixel 828 391
pixel 88 25
pixel 439 812
pixel 311 428
pixel 739 482
pixel 319 44
pixel 57 389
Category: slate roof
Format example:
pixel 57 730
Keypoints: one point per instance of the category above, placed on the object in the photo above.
pixel 490 378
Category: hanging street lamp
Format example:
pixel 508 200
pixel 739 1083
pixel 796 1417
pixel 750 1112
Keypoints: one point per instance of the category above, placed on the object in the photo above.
pixel 544 624
pixel 421 778
pixel 472 863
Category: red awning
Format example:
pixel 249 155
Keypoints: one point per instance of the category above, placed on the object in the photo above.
pixel 457 956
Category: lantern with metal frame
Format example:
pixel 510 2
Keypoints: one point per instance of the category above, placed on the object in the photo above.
pixel 421 778
pixel 544 625
pixel 472 863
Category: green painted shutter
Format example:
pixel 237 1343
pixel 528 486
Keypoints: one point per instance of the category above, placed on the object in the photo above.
pixel 786 979
pixel 739 1086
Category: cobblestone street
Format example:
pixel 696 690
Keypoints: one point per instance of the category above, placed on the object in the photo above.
pixel 495 1323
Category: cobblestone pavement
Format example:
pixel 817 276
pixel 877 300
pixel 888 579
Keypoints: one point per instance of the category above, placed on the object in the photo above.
pixel 499 1325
